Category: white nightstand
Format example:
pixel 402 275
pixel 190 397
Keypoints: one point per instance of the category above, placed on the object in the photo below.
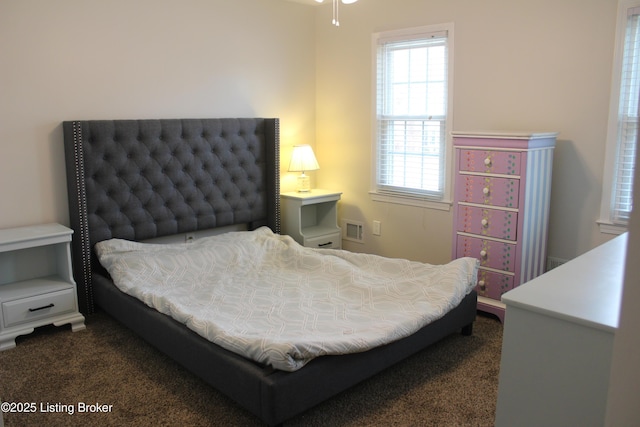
pixel 36 283
pixel 311 218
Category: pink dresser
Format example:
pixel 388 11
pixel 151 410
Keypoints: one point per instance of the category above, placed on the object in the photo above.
pixel 501 208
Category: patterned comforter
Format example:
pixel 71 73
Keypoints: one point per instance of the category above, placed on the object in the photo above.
pixel 266 297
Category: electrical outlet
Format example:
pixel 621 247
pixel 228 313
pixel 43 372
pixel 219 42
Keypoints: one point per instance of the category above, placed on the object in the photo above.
pixel 376 228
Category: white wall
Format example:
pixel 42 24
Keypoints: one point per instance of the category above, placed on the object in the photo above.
pixel 540 65
pixel 90 59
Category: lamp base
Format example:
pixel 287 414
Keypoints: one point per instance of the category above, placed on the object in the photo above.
pixel 304 184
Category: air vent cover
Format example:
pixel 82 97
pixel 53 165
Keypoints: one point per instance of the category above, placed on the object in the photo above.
pixel 352 230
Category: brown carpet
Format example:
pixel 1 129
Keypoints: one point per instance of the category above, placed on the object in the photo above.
pixel 453 383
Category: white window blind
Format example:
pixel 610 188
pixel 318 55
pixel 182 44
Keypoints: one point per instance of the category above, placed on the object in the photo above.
pixel 627 132
pixel 411 113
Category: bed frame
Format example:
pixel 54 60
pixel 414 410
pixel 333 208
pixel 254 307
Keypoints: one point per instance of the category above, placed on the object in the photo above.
pixel 146 179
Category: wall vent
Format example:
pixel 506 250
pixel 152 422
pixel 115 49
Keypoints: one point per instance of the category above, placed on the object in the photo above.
pixel 553 262
pixel 352 231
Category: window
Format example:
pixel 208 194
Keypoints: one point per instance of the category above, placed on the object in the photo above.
pixel 413 104
pixel 622 135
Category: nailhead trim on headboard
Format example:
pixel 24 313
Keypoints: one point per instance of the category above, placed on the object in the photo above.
pixel 82 224
pixel 277 183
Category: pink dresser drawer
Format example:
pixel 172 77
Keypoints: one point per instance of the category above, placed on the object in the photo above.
pixel 498 255
pixel 488 222
pixel 490 161
pixel 484 190
pixel 493 285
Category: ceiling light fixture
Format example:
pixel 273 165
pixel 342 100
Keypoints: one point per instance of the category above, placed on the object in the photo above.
pixel 336 13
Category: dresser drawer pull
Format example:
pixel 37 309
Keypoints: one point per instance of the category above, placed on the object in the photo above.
pixel 325 244
pixel 485 191
pixel 483 254
pixel 484 222
pixel 487 161
pixel 41 308
pixel 481 284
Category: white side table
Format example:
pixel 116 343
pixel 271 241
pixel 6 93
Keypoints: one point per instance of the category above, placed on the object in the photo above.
pixel 36 281
pixel 311 218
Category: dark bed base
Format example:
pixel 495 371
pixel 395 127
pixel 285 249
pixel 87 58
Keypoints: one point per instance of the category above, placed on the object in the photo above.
pixel 274 396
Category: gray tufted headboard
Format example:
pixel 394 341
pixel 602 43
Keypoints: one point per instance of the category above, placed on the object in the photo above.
pixel 141 179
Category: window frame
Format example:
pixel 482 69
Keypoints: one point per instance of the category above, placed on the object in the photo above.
pixel 606 222
pixel 409 197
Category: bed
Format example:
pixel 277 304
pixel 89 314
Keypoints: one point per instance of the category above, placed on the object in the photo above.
pixel 171 180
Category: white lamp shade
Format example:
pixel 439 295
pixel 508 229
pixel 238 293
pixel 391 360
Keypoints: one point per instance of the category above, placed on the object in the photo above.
pixel 303 159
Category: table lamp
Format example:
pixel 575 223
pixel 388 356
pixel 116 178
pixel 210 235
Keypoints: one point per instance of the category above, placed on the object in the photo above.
pixel 303 159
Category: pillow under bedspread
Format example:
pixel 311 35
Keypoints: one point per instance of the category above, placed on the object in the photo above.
pixel 268 298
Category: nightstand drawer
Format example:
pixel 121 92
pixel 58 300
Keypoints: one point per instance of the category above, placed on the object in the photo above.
pixel 490 161
pixel 485 190
pixel 37 307
pixel 488 222
pixel 329 241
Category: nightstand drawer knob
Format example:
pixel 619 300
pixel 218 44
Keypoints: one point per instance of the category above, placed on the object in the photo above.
pixel 483 254
pixel 484 222
pixel 325 244
pixel 481 284
pixel 485 190
pixel 487 161
pixel 41 308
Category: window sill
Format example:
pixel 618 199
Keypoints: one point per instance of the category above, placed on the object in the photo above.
pixel 610 228
pixel 408 200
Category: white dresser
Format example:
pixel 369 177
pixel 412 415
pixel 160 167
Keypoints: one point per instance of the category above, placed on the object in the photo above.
pixel 558 342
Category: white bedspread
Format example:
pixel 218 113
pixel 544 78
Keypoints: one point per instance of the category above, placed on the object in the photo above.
pixel 266 297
